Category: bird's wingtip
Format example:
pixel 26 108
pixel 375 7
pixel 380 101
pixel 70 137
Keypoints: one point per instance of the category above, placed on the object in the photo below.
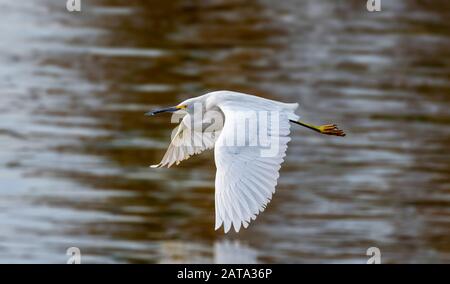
pixel 155 166
pixel 226 227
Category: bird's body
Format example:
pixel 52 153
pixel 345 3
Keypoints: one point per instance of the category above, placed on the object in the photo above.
pixel 249 135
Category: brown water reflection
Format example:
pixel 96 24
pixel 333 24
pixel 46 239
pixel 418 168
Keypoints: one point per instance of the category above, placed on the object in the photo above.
pixel 75 145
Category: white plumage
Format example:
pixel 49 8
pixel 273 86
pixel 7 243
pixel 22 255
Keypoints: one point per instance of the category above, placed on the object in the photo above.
pixel 245 180
pixel 246 176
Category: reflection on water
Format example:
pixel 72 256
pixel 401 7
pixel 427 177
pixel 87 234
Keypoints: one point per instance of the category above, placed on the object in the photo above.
pixel 223 252
pixel 75 145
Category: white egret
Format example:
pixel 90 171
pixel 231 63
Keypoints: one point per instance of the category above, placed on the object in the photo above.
pixel 246 177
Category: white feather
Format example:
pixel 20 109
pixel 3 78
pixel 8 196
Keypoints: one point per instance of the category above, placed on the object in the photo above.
pixel 245 179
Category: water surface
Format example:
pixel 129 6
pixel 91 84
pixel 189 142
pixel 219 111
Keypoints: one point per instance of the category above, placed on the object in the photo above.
pixel 75 146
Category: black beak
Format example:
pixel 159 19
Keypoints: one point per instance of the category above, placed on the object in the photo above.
pixel 169 109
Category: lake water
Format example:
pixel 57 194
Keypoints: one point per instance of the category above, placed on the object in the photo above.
pixel 75 146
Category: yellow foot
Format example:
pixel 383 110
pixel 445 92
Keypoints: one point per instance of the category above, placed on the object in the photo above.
pixel 331 129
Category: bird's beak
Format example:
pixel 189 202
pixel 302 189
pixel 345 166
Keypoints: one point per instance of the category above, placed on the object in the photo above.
pixel 169 109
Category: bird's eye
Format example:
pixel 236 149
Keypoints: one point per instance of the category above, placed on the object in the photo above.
pixel 182 107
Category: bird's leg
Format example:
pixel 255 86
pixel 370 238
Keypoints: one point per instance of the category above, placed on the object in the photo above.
pixel 328 129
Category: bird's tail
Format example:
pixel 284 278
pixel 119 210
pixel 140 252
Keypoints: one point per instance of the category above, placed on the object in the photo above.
pixel 290 109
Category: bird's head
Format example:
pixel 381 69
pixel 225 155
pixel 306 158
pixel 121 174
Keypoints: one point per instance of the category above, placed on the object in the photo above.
pixel 186 105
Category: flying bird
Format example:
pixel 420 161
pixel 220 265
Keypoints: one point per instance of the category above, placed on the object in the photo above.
pixel 247 172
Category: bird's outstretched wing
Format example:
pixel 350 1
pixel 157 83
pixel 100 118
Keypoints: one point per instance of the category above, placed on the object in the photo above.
pixel 186 143
pixel 246 177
